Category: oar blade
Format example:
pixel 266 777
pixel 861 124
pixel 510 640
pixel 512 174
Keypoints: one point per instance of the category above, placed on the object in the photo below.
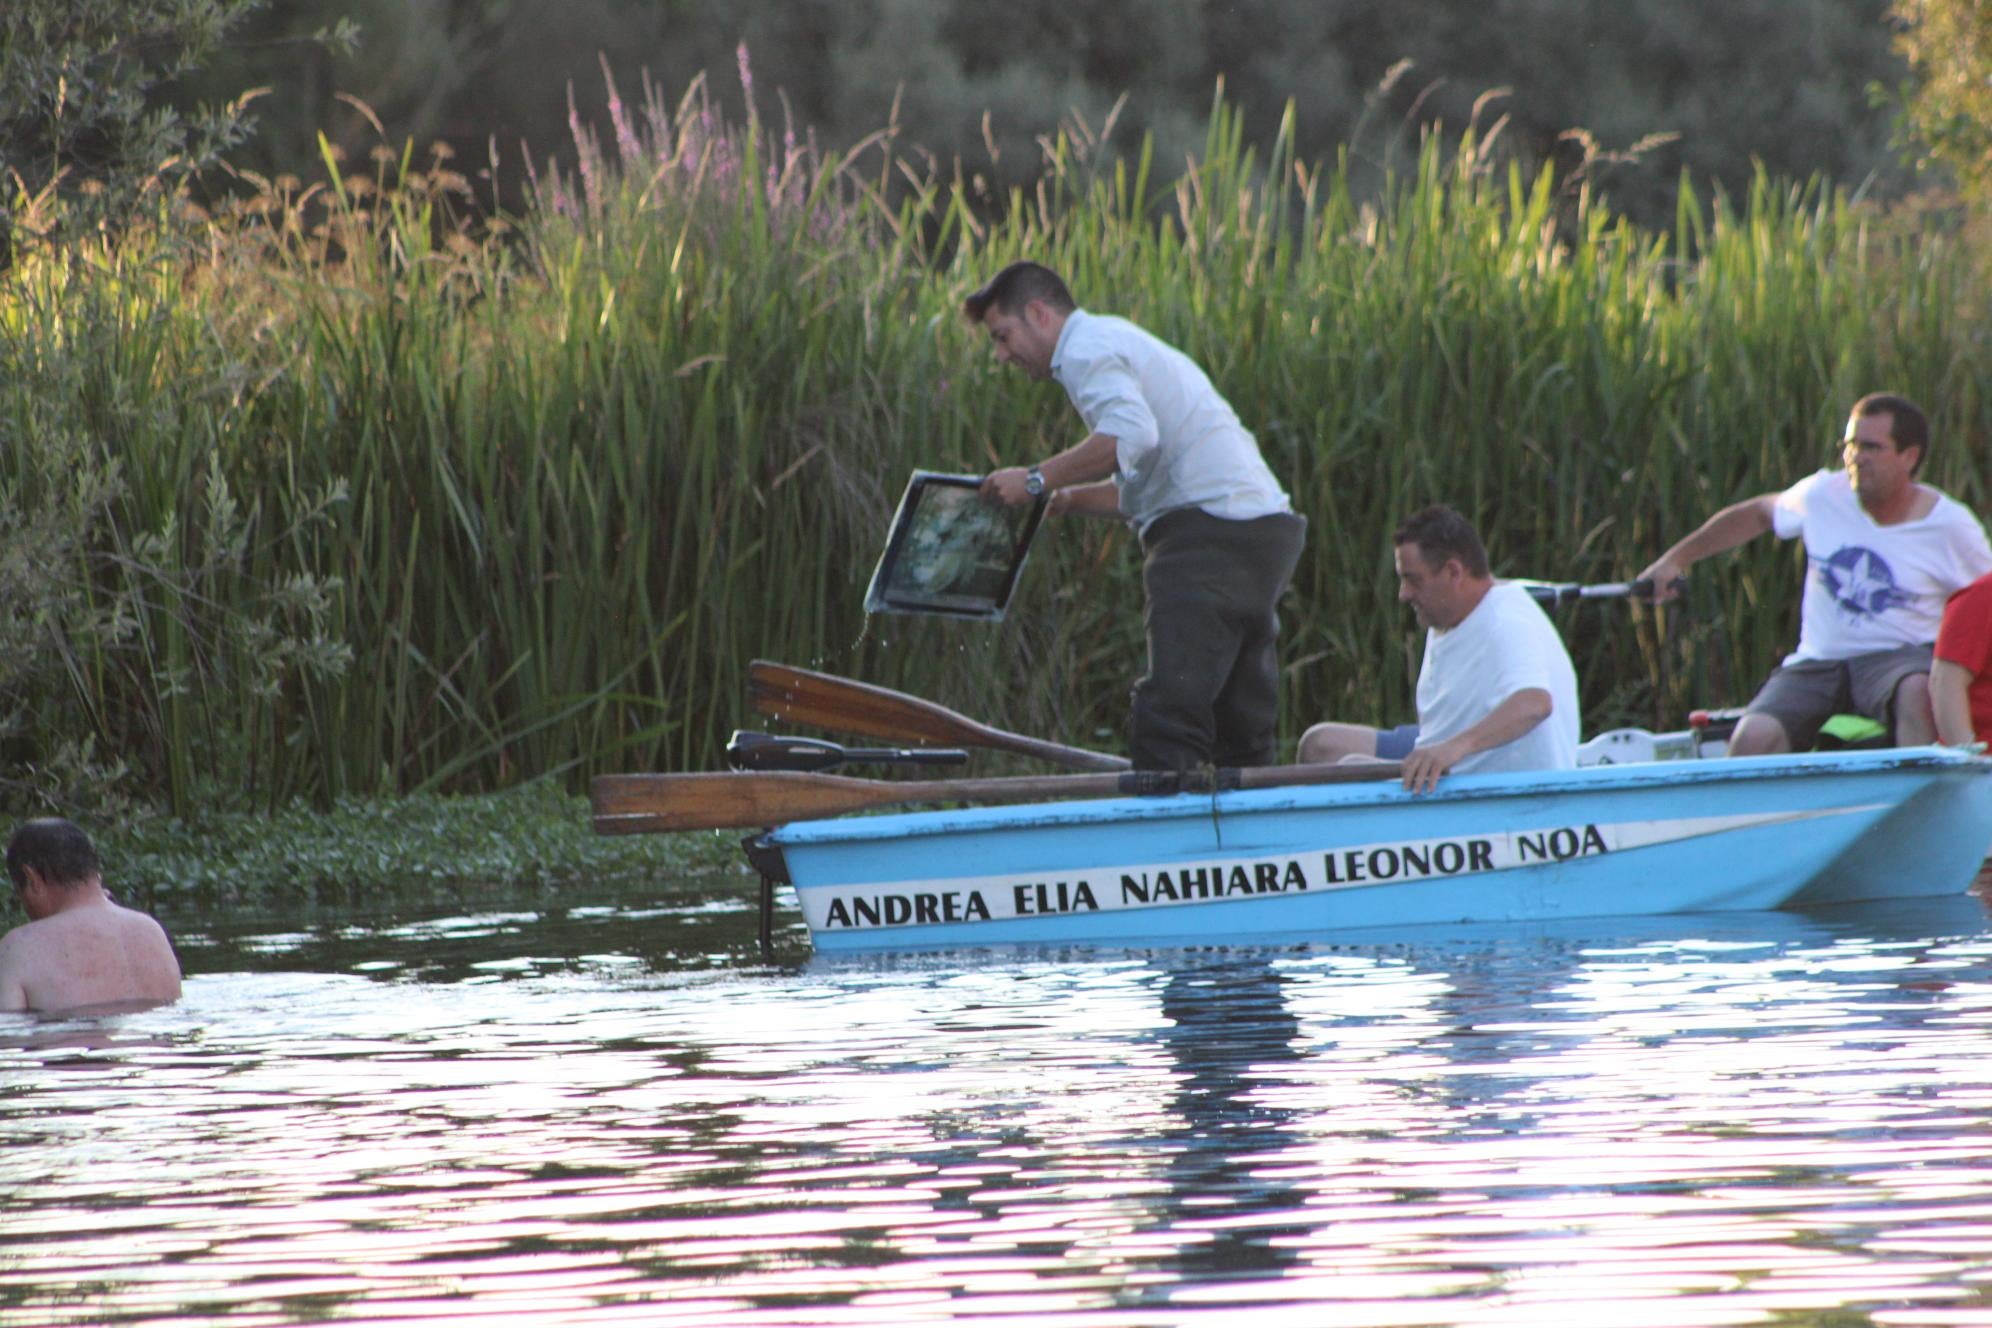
pixel 734 800
pixel 799 696
pixel 822 700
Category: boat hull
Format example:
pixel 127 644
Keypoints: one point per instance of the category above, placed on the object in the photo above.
pixel 1666 837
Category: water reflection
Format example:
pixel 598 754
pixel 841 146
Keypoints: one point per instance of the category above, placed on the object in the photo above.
pixel 1229 1031
pixel 610 1111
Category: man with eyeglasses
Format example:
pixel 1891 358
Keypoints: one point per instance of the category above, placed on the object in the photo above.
pixel 79 950
pixel 1883 554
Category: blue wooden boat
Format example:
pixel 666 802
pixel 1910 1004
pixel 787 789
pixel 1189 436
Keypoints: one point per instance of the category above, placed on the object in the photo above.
pixel 1313 861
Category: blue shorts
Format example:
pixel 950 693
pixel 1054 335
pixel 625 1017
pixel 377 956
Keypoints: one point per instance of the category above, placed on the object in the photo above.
pixel 1396 744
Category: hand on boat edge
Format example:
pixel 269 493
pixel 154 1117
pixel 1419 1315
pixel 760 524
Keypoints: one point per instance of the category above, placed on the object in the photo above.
pixel 1423 766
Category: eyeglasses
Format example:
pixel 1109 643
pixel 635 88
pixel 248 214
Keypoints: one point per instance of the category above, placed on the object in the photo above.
pixel 1851 445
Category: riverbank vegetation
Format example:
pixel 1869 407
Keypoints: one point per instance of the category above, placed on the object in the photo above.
pixel 531 837
pixel 341 491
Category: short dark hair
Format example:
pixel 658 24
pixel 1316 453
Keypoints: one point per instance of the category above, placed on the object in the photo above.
pixel 1910 427
pixel 1441 535
pixel 1016 286
pixel 58 850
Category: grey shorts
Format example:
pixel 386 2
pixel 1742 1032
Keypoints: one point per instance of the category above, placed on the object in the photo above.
pixel 1803 696
pixel 1396 744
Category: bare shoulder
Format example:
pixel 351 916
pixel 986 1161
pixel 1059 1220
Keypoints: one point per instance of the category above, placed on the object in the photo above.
pixel 18 952
pixel 18 942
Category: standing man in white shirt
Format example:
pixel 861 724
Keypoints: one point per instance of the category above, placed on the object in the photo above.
pixel 1166 453
pixel 1496 690
pixel 1882 554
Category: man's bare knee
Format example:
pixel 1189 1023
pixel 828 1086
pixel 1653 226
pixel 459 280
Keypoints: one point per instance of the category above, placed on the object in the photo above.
pixel 1759 735
pixel 1327 743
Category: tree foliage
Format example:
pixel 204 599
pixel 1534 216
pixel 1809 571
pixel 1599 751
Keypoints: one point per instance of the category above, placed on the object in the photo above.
pixel 1948 104
pixel 1741 82
pixel 88 128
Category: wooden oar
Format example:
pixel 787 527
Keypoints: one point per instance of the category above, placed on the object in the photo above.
pixel 801 696
pixel 636 804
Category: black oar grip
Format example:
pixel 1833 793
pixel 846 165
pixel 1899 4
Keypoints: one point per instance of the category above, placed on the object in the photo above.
pixel 747 750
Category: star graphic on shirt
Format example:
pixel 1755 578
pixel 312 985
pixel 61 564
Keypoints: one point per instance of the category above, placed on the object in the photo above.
pixel 1860 582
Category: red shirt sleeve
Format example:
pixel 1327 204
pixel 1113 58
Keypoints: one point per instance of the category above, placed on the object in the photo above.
pixel 1965 638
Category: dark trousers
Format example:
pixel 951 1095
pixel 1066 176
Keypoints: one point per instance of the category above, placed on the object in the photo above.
pixel 1212 692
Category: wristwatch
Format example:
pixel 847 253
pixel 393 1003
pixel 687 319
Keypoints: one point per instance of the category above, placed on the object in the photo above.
pixel 1034 482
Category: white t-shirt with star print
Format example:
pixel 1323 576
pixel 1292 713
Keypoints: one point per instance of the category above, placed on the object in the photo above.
pixel 1871 587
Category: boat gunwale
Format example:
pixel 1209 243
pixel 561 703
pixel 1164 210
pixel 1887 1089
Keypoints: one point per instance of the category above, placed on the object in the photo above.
pixel 1122 810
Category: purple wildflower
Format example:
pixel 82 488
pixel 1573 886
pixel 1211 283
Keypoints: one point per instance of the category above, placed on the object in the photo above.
pixel 628 150
pixel 586 152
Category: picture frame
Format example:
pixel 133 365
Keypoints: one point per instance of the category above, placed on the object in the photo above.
pixel 950 553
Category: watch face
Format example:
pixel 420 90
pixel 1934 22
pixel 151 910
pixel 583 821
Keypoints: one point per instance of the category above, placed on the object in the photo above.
pixel 1033 484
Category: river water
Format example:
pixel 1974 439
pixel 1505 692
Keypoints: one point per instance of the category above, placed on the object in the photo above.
pixel 567 1111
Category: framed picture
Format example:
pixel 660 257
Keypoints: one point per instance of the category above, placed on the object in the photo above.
pixel 948 552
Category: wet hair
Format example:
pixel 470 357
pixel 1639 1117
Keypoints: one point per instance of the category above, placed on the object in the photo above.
pixel 1910 427
pixel 1442 534
pixel 1015 287
pixel 58 850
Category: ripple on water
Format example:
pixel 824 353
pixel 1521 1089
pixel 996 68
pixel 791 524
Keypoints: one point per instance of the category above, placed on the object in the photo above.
pixel 617 1114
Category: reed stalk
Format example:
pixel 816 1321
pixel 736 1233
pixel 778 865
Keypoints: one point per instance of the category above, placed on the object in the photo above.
pixel 407 503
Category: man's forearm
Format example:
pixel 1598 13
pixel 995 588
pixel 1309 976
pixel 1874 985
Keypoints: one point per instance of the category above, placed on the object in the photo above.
pixel 1950 699
pixel 1094 458
pixel 1516 715
pixel 1101 500
pixel 1735 525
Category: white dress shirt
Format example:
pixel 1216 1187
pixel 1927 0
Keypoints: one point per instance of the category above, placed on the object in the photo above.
pixel 1177 442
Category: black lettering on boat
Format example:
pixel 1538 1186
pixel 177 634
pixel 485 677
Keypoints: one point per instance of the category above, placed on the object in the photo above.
pixel 1560 844
pixel 864 912
pixel 1296 879
pixel 1449 858
pixel 977 909
pixel 1417 860
pixel 898 910
pixel 1266 876
pixel 1382 864
pixel 1133 891
pixel 1039 897
pixel 1240 882
pixel 839 915
pixel 1479 855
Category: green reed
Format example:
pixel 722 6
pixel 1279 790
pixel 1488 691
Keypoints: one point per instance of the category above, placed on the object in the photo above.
pixel 405 503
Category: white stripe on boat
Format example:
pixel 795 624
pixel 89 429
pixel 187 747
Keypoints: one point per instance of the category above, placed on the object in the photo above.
pixel 879 906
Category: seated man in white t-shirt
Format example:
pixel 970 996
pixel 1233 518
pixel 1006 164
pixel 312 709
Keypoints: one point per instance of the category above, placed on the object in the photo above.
pixel 1883 551
pixel 1496 690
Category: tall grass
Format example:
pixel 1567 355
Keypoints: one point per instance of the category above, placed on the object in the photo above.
pixel 404 503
